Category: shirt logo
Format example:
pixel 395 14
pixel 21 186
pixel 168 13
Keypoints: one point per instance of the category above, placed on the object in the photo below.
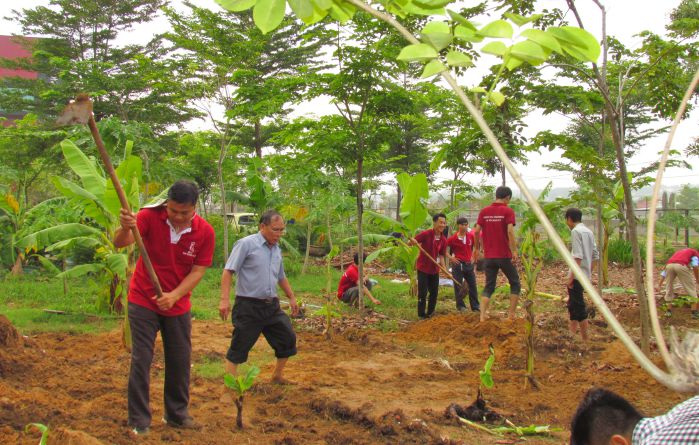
pixel 190 252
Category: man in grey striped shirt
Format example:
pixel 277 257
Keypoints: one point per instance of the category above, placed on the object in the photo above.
pixel 257 262
pixel 584 251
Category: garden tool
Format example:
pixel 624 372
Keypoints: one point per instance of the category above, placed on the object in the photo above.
pixel 80 112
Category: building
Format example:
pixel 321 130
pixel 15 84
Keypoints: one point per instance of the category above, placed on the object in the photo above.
pixel 14 47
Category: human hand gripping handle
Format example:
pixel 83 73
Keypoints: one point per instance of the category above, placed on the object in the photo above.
pixel 127 219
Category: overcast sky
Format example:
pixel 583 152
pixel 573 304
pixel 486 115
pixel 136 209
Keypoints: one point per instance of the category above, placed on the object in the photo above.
pixel 625 19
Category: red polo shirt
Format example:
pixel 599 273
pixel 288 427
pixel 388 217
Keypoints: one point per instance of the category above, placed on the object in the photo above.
pixel 349 279
pixel 434 247
pixel 172 262
pixel 683 256
pixel 462 248
pixel 493 221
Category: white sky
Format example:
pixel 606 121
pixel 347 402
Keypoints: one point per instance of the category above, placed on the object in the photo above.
pixel 625 19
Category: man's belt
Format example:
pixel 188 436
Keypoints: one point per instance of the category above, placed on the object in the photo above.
pixel 265 300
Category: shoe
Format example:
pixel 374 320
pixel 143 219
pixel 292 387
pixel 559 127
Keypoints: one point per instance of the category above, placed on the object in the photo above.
pixel 476 310
pixel 461 308
pixel 186 424
pixel 140 431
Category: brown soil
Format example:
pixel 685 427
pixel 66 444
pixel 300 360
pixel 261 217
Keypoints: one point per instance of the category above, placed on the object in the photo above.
pixel 364 387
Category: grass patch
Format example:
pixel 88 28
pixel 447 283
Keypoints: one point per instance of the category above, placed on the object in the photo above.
pixel 30 321
pixel 210 367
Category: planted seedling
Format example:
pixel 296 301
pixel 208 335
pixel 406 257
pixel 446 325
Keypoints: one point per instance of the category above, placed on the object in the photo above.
pixel 240 384
pixel 329 313
pixel 485 373
pixel 41 427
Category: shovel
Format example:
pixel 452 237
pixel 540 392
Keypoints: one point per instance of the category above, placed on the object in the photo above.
pixel 80 112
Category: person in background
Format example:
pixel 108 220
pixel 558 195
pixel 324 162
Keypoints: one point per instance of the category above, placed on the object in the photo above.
pixel 681 266
pixel 434 242
pixel 347 289
pixel 461 246
pixel 495 229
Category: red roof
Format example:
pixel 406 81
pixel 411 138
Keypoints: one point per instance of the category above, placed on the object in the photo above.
pixel 12 47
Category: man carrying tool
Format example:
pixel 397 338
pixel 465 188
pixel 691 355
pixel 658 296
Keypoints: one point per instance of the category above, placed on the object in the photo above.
pixel 461 248
pixel 433 245
pixel 347 288
pixel 495 227
pixel 257 262
pixel 181 246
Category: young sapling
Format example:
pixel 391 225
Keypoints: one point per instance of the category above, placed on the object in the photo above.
pixel 240 384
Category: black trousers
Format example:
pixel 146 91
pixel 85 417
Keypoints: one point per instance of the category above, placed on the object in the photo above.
pixel 464 271
pixel 492 266
pixel 252 317
pixel 176 333
pixel 426 283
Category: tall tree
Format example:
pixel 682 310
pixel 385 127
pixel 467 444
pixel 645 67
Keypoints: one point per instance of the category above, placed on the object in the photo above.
pixel 77 52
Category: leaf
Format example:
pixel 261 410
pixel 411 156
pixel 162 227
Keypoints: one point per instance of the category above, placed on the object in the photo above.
pixel 92 179
pixel 437 34
pixel 432 68
pixel 342 11
pixel 497 29
pixel 513 62
pixel 520 20
pixel 41 427
pixel 369 238
pixel 302 8
pixel 496 48
pixel 461 20
pixel 249 378
pixel 81 269
pixel 496 97
pixel 577 42
pixel 467 34
pixel 268 14
pixel 413 210
pixel 47 264
pixel 530 52
pixel 542 38
pixel 432 4
pixel 42 238
pixel 129 174
pixel 419 52
pixel 117 263
pixel 378 252
pixel 236 5
pixel 477 90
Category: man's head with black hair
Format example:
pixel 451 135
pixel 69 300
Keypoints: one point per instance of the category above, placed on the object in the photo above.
pixel 503 192
pixel 439 222
pixel 183 192
pixel 603 418
pixel 356 257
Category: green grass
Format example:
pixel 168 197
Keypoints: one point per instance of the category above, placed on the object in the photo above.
pixel 209 367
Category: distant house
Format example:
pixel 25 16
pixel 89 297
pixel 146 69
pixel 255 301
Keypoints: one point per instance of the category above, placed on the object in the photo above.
pixel 12 47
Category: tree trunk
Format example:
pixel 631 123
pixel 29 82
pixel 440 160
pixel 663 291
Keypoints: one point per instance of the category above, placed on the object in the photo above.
pixel 17 268
pixel 631 231
pixel 308 246
pixel 239 416
pixel 258 140
pixel 360 235
pixel 222 188
pixel 399 198
pixel 503 173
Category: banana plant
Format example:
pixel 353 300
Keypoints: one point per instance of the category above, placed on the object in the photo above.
pixel 97 200
pixel 532 262
pixel 240 384
pixel 414 215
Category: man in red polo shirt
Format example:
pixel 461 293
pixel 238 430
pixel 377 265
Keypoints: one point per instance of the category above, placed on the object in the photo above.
pixel 347 289
pixel 461 245
pixel 181 246
pixel 434 242
pixel 495 227
pixel 681 266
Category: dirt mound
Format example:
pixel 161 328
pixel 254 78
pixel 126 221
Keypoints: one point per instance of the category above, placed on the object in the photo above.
pixel 63 436
pixel 9 337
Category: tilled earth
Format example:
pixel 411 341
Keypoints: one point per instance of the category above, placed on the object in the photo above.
pixel 362 387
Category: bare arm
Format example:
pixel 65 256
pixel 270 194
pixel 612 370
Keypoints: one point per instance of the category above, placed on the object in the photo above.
pixel 512 240
pixel 476 242
pixel 224 307
pixel 286 287
pixel 124 236
pixel 190 281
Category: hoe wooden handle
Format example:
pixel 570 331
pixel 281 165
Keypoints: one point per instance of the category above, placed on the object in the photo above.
pixel 124 203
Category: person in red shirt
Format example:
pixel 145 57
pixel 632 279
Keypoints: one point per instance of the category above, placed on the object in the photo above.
pixel 495 228
pixel 181 246
pixel 681 266
pixel 347 289
pixel 434 242
pixel 461 246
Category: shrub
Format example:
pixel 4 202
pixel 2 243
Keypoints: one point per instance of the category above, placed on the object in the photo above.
pixel 620 252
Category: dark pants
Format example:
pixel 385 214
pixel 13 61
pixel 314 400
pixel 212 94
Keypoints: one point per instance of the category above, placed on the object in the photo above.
pixel 176 333
pixel 252 317
pixel 492 266
pixel 351 295
pixel 576 303
pixel 465 271
pixel 426 283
